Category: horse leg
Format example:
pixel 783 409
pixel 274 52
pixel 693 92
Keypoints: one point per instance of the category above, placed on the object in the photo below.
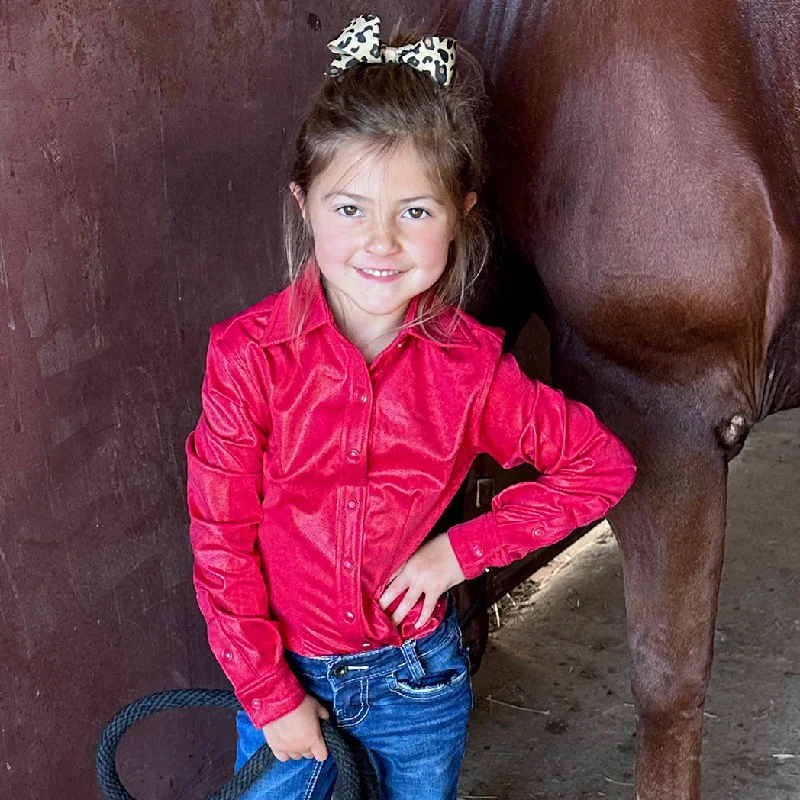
pixel 671 535
pixel 670 528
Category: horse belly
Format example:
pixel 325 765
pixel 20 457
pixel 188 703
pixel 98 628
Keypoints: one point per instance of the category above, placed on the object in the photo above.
pixel 654 234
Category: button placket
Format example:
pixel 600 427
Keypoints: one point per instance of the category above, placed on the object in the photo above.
pixel 353 488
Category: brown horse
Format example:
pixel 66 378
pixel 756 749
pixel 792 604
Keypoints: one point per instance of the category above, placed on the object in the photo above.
pixel 647 161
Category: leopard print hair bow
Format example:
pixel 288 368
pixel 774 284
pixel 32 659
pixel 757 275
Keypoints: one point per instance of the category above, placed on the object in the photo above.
pixel 359 43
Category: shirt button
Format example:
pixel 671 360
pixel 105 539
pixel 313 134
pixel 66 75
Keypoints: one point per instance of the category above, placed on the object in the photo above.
pixel 538 532
pixel 349 616
pixel 347 564
pixel 363 397
pixel 256 703
pixel 353 454
pixel 399 345
pixel 352 504
pixel 477 551
pixel 227 655
pixel 366 645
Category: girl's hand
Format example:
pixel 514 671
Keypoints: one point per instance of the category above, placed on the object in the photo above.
pixel 297 734
pixel 431 571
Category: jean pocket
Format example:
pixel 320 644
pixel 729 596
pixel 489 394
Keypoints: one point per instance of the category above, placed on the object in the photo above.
pixel 445 671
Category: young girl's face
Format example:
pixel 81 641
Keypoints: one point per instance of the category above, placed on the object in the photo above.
pixel 382 229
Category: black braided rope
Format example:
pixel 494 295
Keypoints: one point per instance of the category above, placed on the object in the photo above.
pixel 348 780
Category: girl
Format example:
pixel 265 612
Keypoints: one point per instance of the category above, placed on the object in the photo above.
pixel 340 417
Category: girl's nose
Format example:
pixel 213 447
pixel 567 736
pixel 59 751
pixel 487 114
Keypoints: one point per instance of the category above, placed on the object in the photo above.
pixel 381 238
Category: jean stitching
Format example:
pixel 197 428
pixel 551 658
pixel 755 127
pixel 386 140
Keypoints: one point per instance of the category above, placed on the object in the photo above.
pixel 312 781
pixel 363 693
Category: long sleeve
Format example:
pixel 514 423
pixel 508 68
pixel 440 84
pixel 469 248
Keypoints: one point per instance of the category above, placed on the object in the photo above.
pixel 225 456
pixel 585 470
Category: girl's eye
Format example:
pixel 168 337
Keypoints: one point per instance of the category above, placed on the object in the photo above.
pixel 417 213
pixel 348 211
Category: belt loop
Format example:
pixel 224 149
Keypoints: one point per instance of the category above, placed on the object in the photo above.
pixel 409 649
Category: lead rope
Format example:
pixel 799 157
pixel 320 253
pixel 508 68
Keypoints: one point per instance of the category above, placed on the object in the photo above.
pixel 352 781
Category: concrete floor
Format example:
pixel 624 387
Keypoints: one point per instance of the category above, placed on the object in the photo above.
pixel 554 715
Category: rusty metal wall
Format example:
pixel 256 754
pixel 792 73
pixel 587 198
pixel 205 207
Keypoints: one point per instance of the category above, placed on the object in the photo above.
pixel 141 153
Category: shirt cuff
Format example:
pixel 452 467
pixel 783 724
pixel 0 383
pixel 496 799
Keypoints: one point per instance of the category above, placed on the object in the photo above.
pixel 272 698
pixel 474 543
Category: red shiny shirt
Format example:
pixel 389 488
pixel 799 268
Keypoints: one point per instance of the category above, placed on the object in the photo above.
pixel 313 476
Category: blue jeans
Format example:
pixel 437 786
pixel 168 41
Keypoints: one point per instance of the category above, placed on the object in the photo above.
pixel 407 706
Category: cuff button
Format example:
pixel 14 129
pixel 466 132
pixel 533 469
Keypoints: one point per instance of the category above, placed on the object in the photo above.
pixel 477 551
pixel 256 703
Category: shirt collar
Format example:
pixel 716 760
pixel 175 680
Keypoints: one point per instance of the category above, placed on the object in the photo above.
pixel 307 290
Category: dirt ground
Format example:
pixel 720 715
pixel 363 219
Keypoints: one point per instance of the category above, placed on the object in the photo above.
pixel 554 715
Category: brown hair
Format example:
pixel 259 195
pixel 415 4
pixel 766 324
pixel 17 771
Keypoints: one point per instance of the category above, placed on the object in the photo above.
pixel 389 105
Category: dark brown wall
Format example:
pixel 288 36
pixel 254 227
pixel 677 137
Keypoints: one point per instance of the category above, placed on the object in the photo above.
pixel 141 153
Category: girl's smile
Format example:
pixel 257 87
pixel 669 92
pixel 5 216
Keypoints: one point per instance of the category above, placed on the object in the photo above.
pixel 379 274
